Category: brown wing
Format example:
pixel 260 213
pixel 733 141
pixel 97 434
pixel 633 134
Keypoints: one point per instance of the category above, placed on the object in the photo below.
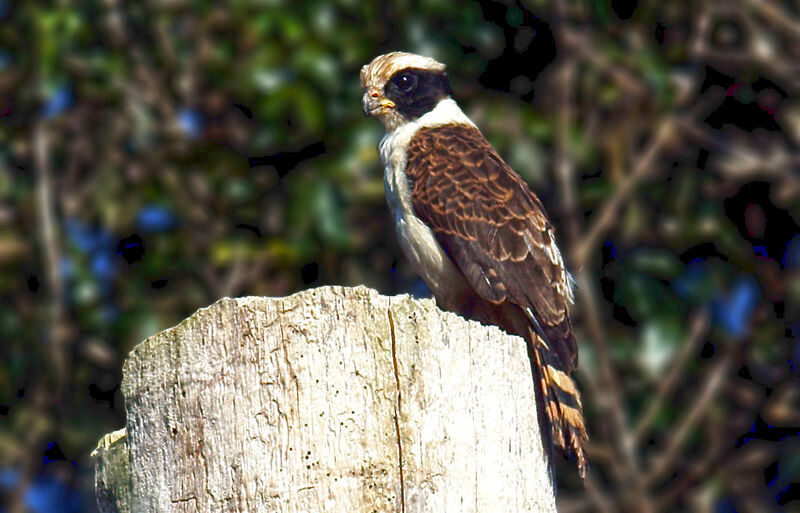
pixel 494 228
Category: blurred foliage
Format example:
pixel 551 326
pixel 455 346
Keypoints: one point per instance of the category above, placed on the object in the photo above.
pixel 156 156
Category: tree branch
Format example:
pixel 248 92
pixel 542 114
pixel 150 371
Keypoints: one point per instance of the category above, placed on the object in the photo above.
pixel 709 390
pixel 644 167
pixel 588 50
pixel 47 391
pixel 698 325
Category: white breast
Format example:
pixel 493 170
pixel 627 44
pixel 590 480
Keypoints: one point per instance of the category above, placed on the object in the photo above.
pixel 416 239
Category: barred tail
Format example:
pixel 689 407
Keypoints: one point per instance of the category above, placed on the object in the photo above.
pixel 561 401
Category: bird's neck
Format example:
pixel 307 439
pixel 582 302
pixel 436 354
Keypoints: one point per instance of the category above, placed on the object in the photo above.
pixel 446 112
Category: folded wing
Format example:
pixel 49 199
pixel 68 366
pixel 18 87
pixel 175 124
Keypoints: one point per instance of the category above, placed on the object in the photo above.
pixel 495 229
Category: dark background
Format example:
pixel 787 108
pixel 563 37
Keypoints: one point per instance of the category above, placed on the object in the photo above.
pixel 158 155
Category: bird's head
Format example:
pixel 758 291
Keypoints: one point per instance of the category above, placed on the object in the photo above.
pixel 399 87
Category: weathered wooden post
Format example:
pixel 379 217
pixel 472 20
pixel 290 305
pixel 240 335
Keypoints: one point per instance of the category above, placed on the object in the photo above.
pixel 331 400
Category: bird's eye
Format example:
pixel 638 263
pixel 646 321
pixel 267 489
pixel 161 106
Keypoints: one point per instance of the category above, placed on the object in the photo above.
pixel 406 82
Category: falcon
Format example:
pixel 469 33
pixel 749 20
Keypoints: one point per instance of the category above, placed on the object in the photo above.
pixel 473 230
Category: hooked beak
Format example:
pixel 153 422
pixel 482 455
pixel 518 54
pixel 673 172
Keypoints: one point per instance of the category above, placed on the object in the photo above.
pixel 374 105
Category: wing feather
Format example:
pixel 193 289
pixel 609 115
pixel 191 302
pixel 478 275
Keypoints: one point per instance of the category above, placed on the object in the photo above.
pixel 493 227
pixel 495 230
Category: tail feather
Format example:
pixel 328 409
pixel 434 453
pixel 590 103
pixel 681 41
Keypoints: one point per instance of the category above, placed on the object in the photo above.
pixel 562 402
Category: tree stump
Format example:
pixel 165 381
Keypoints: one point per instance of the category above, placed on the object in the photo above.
pixel 332 399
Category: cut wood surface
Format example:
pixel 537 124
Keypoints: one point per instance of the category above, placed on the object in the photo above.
pixel 332 399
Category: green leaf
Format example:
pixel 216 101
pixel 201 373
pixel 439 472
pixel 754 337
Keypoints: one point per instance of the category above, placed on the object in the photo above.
pixel 660 263
pixel 660 339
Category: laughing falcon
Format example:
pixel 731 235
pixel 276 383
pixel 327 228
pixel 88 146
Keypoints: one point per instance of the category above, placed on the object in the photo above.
pixel 472 228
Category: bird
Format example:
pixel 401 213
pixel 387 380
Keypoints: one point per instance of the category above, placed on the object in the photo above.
pixel 474 231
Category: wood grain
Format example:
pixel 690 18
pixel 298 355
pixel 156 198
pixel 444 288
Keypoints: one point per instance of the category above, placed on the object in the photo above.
pixel 333 399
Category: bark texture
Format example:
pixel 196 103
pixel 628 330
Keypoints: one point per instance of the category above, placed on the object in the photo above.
pixel 333 399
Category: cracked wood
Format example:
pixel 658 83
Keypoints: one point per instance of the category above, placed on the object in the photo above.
pixel 293 404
